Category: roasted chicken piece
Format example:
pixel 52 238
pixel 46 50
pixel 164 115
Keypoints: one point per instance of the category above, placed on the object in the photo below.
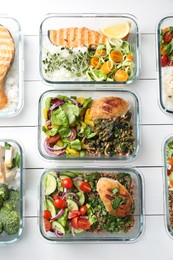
pixel 106 188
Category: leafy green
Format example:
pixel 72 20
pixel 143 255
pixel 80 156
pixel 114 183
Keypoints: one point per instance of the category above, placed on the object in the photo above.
pixel 76 144
pixel 47 103
pixel 72 111
pixel 7 145
pixel 58 117
pixel 117 201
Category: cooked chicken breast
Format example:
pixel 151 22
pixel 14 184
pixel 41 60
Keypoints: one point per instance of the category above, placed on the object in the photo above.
pixel 6 57
pixel 75 37
pixel 108 107
pixel 105 188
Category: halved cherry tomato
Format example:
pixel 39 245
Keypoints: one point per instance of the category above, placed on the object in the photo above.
pixel 74 222
pixel 47 214
pixel 60 203
pixel 73 214
pixel 83 223
pixel 167 37
pixel 83 210
pixel 164 60
pixel 47 225
pixel 67 183
pixel 85 186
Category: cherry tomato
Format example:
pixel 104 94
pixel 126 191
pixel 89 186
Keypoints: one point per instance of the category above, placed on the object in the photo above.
pixel 74 222
pixel 83 223
pixel 83 210
pixel 67 183
pixel 47 225
pixel 47 214
pixel 164 60
pixel 171 161
pixel 73 214
pixel 53 139
pixel 167 37
pixel 60 203
pixel 85 186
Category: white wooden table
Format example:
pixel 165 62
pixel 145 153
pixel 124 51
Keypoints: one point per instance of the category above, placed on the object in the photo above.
pixel 155 127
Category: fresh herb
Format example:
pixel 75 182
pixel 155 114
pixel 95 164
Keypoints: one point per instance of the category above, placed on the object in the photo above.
pixel 118 201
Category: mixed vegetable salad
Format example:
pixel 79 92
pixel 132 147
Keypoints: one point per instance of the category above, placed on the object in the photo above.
pixel 72 204
pixel 71 132
pixel 112 61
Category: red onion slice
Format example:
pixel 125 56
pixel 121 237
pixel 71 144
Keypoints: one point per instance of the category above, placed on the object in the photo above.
pixel 58 215
pixel 57 154
pixel 74 101
pixel 58 234
pixel 70 194
pixel 78 178
pixel 57 104
pixel 73 134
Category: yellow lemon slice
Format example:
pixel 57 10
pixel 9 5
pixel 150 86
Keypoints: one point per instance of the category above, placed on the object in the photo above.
pixel 119 30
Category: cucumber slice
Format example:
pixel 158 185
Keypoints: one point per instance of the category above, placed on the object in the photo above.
pixel 68 174
pixel 72 205
pixel 51 207
pixel 81 197
pixel 77 184
pixel 57 226
pixel 50 184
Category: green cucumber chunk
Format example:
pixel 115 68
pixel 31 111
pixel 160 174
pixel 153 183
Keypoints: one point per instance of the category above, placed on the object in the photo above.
pixel 81 197
pixel 72 205
pixel 50 206
pixel 57 226
pixel 50 184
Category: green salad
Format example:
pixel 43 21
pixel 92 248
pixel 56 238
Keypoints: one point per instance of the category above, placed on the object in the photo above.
pixel 71 203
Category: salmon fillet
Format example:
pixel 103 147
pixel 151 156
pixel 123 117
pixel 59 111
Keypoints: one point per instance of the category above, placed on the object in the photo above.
pixel 75 37
pixel 108 107
pixel 6 57
pixel 105 188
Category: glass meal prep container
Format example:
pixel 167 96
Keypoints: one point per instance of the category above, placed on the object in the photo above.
pixel 87 48
pixel 84 216
pixel 11 191
pixel 165 63
pixel 11 55
pixel 83 125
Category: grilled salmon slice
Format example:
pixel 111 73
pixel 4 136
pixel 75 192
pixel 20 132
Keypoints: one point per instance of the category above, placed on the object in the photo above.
pixel 75 37
pixel 6 57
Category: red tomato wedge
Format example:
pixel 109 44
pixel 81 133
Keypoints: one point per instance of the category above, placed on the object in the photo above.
pixel 83 223
pixel 47 214
pixel 47 225
pixel 73 214
pixel 167 37
pixel 164 60
pixel 83 210
pixel 74 222
pixel 85 186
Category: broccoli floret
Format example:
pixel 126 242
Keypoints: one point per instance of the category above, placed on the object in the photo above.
pixel 4 191
pixel 12 201
pixel 1 202
pixel 1 227
pixel 10 220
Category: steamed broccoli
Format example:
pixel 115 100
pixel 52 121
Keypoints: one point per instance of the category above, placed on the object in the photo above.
pixel 4 191
pixel 11 223
pixel 10 220
pixel 12 201
pixel 1 227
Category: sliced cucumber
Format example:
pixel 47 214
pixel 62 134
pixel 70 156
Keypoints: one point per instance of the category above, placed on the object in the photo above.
pixel 63 219
pixel 57 226
pixel 63 177
pixel 77 184
pixel 50 184
pixel 51 207
pixel 81 197
pixel 68 174
pixel 72 205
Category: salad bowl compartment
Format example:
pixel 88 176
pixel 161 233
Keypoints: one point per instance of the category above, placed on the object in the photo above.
pixel 165 63
pixel 76 207
pixel 11 55
pixel 80 125
pixel 89 48
pixel 11 191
